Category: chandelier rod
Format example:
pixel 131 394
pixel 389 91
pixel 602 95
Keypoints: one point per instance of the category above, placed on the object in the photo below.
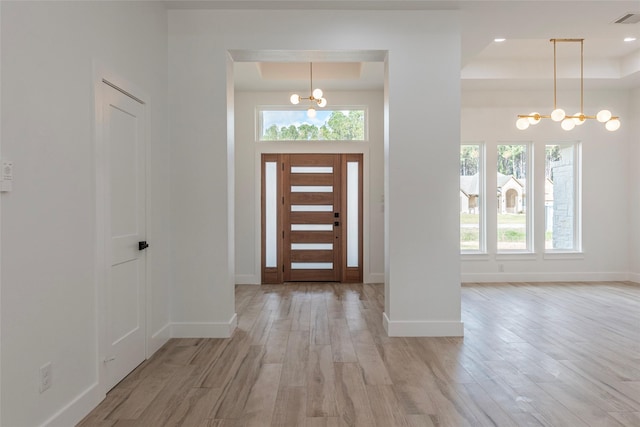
pixel 555 76
pixel 311 79
pixel 581 76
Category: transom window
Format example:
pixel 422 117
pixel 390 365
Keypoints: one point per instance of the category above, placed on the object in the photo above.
pixel 293 124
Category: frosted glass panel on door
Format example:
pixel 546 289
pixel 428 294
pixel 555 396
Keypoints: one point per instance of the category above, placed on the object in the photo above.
pixel 311 227
pixel 352 214
pixel 311 208
pixel 311 265
pixel 312 189
pixel 312 246
pixel 311 169
pixel 271 214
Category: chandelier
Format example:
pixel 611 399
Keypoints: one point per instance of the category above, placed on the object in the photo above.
pixel 315 98
pixel 567 122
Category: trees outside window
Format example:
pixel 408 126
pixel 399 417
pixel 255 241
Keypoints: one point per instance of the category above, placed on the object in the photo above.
pixel 328 125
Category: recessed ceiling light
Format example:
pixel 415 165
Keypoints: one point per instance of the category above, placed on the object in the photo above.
pixel 629 39
pixel 499 40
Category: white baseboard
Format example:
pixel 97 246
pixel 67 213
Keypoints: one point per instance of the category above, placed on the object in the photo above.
pixel 545 277
pixel 375 278
pixel 247 279
pixel 159 339
pixel 72 413
pixel 634 277
pixel 418 328
pixel 204 329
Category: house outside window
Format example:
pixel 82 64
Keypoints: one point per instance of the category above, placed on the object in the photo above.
pixel 513 217
pixel 472 198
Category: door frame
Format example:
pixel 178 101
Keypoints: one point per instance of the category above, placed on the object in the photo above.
pixel 347 274
pixel 103 75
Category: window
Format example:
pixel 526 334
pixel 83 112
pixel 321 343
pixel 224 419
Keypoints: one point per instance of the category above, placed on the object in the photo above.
pixel 561 193
pixel 514 203
pixel 289 124
pixel 471 198
pixel 512 192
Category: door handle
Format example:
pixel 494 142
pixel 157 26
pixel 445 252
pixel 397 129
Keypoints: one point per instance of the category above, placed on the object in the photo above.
pixel 142 245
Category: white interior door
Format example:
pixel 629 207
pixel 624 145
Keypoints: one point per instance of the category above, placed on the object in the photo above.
pixel 124 133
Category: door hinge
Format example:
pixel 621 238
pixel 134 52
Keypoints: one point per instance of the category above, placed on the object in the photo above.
pixel 283 268
pixel 283 234
pixel 283 200
pixel 282 166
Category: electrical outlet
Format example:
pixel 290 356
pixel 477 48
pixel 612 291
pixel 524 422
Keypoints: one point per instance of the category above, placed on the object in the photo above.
pixel 45 377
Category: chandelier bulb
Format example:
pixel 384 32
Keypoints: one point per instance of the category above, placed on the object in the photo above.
pixel 534 118
pixel 295 99
pixel 311 113
pixel 579 119
pixel 568 124
pixel 612 125
pixel 322 102
pixel 558 115
pixel 603 116
pixel 317 93
pixel 522 123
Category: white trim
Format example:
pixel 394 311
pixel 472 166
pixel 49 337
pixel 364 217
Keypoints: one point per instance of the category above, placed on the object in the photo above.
pixel 72 413
pixel 422 328
pixel 634 277
pixel 519 256
pixel 0 229
pixel 374 278
pixel 247 279
pixel 478 256
pixel 545 277
pixel 158 339
pixel 204 329
pixel 563 255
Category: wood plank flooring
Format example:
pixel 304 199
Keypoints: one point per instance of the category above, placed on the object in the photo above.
pixel 316 355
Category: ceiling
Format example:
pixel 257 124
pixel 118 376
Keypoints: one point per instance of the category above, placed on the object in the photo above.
pixel 524 60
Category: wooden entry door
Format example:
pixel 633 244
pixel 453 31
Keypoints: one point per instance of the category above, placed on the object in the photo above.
pixel 311 214
pixel 308 202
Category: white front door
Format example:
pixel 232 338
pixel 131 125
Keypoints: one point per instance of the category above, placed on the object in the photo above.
pixel 124 136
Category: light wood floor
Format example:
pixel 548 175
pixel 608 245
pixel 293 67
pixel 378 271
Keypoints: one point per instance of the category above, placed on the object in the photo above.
pixel 317 355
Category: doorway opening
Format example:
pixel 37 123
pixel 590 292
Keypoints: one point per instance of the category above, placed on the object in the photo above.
pixel 311 218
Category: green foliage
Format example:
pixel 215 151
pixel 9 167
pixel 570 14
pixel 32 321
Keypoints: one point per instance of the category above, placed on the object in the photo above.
pixel 512 160
pixel 511 235
pixel 469 235
pixel 552 154
pixel 339 127
pixel 469 158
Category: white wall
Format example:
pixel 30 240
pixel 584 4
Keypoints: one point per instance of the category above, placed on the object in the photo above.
pixel 48 221
pixel 634 186
pixel 606 184
pixel 247 183
pixel 422 113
